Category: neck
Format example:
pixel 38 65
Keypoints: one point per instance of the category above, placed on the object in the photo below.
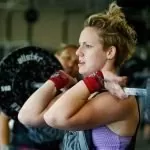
pixel 110 67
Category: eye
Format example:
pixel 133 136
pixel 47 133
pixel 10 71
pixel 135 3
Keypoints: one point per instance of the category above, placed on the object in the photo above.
pixel 88 46
pixel 85 45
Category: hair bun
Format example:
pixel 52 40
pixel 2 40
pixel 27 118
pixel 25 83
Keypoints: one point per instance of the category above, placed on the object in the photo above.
pixel 115 11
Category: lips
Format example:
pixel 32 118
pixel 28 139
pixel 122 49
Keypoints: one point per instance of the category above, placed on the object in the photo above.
pixel 81 62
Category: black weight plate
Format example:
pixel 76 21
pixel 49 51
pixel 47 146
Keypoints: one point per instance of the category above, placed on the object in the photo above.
pixel 18 70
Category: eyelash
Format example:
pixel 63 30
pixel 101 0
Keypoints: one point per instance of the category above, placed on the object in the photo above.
pixel 88 46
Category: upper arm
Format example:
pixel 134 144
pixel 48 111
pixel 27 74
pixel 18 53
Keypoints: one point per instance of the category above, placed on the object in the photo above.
pixel 103 109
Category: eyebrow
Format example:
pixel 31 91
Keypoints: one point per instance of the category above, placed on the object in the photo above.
pixel 82 43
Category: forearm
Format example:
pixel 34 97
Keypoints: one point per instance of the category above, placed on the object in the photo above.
pixel 32 111
pixel 68 104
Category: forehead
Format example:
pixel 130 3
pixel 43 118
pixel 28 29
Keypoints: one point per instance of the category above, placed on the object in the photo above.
pixel 89 34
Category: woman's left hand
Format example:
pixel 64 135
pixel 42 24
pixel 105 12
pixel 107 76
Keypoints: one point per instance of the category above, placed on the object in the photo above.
pixel 114 84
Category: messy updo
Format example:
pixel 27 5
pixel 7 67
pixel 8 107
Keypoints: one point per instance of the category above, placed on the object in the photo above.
pixel 114 30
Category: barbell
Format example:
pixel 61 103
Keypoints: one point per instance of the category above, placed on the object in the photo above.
pixel 27 68
pixel 21 73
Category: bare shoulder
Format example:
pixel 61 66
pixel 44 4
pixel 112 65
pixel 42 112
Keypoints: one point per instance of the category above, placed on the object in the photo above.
pixel 118 108
pixel 107 97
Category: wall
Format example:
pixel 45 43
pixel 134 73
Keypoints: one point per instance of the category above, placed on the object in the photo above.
pixel 47 31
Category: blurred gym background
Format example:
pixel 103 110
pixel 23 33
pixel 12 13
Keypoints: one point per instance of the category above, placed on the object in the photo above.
pixel 54 23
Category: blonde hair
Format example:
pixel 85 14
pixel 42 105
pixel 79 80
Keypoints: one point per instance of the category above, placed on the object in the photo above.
pixel 114 30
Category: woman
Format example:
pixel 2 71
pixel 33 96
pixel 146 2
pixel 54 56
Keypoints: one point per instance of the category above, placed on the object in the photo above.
pixel 106 41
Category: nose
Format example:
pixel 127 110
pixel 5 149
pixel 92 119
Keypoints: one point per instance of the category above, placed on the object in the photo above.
pixel 79 51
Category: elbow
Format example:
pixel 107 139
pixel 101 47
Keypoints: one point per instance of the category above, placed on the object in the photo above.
pixel 24 118
pixel 56 121
pixel 28 119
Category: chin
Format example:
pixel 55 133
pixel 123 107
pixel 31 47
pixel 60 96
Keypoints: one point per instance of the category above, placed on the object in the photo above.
pixel 83 72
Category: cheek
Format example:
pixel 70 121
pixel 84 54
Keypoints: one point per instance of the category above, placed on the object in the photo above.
pixel 94 66
pixel 98 61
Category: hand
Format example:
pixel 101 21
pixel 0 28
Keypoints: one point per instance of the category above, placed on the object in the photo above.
pixel 114 83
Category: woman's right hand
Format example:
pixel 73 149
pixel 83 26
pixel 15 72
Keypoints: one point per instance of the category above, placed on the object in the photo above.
pixel 72 81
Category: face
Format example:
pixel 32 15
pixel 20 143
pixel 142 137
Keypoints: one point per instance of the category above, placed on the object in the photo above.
pixel 69 61
pixel 91 55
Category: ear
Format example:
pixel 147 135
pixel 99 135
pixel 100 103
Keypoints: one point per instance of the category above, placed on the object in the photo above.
pixel 111 52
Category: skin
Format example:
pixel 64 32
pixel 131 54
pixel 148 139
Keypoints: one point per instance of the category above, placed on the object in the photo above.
pixel 90 48
pixel 80 109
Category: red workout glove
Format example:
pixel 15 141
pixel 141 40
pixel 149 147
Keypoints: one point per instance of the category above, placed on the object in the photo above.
pixel 94 82
pixel 60 79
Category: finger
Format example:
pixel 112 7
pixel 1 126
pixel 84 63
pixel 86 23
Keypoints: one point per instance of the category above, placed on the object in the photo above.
pixel 121 80
pixel 120 93
pixel 117 90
